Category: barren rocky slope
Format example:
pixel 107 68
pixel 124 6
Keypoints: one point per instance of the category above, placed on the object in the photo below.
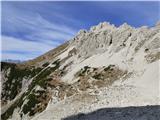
pixel 104 67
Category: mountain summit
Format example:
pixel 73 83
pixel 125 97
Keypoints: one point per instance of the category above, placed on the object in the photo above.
pixel 104 67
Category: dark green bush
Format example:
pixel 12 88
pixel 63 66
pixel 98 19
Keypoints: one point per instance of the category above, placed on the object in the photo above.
pixel 30 104
pixel 45 64
pixel 98 76
pixel 109 67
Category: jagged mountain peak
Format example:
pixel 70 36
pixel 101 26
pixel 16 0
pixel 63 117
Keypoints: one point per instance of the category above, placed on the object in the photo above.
pixel 99 38
pixel 125 26
pixel 97 28
pixel 102 26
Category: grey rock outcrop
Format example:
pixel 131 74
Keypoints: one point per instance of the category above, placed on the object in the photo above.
pixel 104 36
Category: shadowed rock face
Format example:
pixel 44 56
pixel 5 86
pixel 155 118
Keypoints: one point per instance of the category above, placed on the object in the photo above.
pixel 124 113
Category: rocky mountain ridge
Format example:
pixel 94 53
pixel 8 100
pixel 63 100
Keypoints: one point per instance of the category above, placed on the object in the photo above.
pixel 89 72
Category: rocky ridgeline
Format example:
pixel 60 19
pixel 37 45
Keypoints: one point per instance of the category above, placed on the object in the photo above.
pixel 29 87
pixel 105 37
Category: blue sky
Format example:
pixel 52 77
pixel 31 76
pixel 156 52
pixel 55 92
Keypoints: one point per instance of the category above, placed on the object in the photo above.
pixel 30 29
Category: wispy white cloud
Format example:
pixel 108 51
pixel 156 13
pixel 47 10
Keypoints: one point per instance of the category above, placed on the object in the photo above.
pixel 33 48
pixel 15 56
pixel 32 22
pixel 37 21
pixel 28 31
pixel 47 36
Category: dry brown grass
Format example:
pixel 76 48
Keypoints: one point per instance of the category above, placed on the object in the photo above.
pixel 44 99
pixel 152 57
pixel 83 84
pixel 98 83
pixel 50 55
pixel 101 77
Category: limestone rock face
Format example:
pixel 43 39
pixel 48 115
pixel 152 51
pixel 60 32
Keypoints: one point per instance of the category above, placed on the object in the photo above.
pixel 104 36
